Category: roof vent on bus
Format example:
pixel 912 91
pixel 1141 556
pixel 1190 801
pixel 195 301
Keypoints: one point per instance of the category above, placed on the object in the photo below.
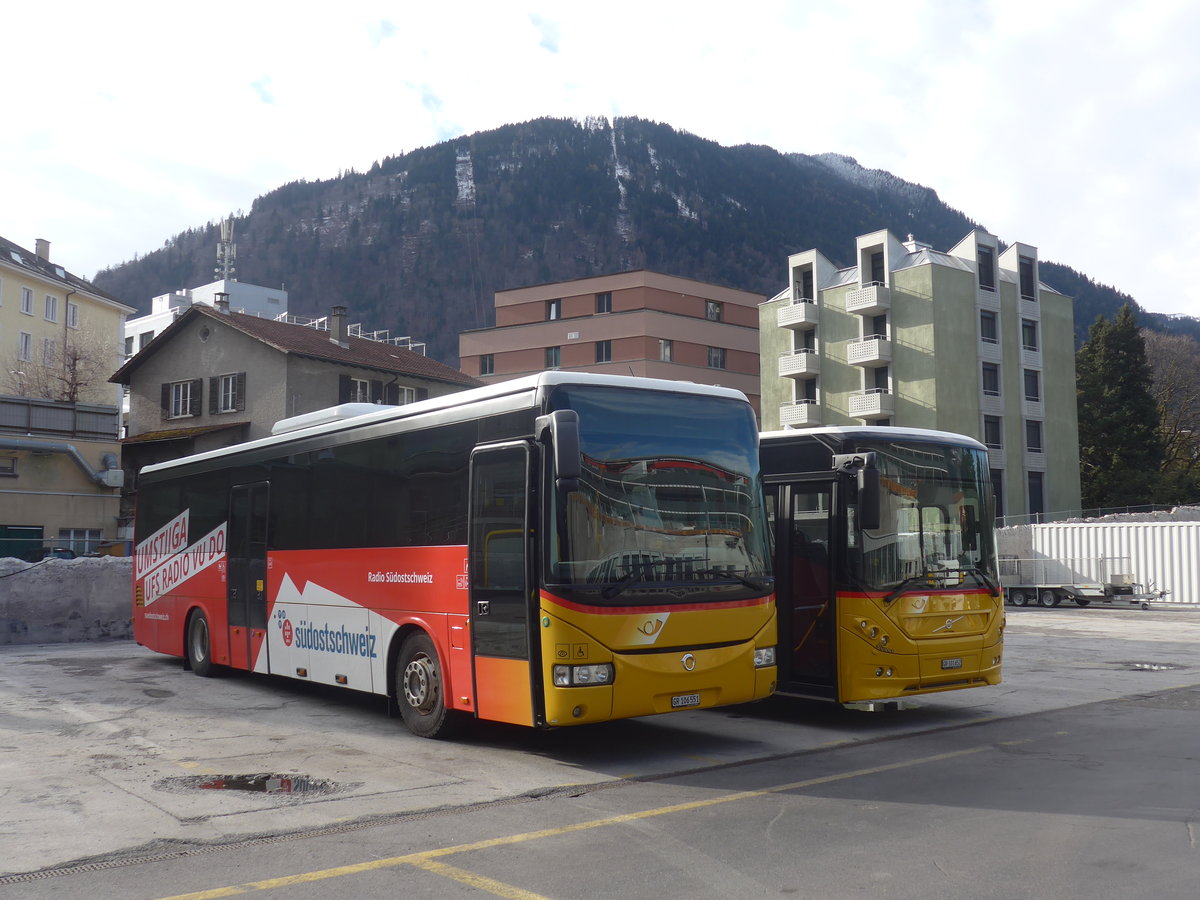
pixel 325 416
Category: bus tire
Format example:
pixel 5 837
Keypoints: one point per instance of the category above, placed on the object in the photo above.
pixel 1049 599
pixel 198 645
pixel 420 689
pixel 1018 598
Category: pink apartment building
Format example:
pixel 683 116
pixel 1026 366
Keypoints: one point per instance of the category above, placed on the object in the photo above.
pixel 631 323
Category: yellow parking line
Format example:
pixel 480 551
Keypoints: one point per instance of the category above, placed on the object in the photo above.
pixel 425 859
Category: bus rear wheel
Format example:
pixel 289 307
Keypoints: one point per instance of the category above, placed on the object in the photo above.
pixel 199 645
pixel 420 689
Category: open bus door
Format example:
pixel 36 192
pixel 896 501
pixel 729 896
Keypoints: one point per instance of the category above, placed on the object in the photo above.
pixel 804 560
pixel 502 584
pixel 246 572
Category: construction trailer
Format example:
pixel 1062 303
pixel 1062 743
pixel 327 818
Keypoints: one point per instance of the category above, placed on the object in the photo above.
pixel 1048 582
pixel 1143 562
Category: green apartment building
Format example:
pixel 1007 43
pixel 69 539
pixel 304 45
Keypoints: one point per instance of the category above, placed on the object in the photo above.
pixel 968 341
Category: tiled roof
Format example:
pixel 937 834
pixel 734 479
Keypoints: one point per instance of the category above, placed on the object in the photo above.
pixel 178 434
pixel 303 340
pixel 19 256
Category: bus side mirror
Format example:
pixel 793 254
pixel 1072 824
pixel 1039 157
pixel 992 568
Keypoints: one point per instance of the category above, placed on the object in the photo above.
pixel 561 428
pixel 862 466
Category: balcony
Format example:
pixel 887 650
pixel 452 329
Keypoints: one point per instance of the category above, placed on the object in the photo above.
pixel 872 351
pixel 799 413
pixel 875 403
pixel 799 364
pixel 869 300
pixel 799 314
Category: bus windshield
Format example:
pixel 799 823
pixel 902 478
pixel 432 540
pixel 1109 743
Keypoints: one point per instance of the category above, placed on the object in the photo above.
pixel 669 501
pixel 936 520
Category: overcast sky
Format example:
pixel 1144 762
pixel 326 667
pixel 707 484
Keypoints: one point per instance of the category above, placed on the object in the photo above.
pixel 1071 126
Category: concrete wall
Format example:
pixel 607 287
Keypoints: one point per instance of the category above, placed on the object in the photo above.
pixel 65 600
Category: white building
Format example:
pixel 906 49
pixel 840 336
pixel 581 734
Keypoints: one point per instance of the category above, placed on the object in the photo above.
pixel 266 303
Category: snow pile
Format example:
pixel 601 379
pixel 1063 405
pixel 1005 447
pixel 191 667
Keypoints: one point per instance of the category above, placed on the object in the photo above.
pixel 63 600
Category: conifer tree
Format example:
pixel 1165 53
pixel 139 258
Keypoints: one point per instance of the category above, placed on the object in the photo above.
pixel 1120 447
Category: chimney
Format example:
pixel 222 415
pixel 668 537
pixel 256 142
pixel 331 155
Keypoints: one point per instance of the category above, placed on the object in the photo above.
pixel 42 248
pixel 337 327
pixel 221 302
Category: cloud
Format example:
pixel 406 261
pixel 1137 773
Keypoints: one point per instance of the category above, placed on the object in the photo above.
pixel 262 88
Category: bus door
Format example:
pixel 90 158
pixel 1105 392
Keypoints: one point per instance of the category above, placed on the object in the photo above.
pixel 246 573
pixel 804 559
pixel 501 583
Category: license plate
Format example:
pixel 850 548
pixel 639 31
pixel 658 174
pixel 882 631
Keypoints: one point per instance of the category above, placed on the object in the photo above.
pixel 679 701
pixel 955 663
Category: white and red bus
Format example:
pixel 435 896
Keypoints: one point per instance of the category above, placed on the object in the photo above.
pixel 553 550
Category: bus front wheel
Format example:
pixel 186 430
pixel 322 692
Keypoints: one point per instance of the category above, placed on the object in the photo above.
pixel 199 644
pixel 420 689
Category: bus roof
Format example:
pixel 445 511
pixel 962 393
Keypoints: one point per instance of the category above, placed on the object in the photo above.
pixel 875 433
pixel 353 415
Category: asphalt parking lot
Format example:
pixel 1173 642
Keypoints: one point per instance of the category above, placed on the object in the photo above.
pixel 111 752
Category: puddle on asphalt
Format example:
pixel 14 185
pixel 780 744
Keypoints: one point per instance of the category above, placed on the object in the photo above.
pixel 258 783
pixel 1151 667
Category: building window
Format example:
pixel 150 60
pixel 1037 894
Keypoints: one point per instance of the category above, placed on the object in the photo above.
pixel 1033 436
pixel 804 286
pixel 877 274
pixel 27 301
pixel 81 540
pixel 992 433
pixel 806 390
pixel 129 346
pixel 987 327
pixel 1037 498
pixel 145 338
pixel 666 350
pixel 487 364
pixel 998 490
pixel 404 395
pixel 229 392
pixel 51 313
pixel 360 390
pixel 8 467
pixel 553 310
pixel 1028 288
pixel 1029 334
pixel 882 378
pixel 1033 385
pixel 603 351
pixel 553 357
pixel 987 268
pixel 72 314
pixel 182 399
pixel 712 310
pixel 48 351
pixel 716 357
pixel 25 346
pixel 604 302
pixel 991 380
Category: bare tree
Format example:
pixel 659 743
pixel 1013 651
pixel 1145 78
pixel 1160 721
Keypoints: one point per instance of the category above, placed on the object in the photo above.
pixel 65 373
pixel 1175 363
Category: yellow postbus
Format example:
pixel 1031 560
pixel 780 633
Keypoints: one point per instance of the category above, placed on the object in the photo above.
pixel 885 563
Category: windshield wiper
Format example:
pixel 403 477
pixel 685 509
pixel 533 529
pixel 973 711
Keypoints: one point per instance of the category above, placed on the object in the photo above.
pixel 626 581
pixel 984 579
pixel 899 589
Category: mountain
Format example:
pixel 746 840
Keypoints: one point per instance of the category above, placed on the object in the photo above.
pixel 419 244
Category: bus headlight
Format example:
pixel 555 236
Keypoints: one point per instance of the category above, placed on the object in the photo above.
pixel 763 657
pixel 578 676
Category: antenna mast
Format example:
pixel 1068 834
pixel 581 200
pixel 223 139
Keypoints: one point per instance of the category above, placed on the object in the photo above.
pixel 226 269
